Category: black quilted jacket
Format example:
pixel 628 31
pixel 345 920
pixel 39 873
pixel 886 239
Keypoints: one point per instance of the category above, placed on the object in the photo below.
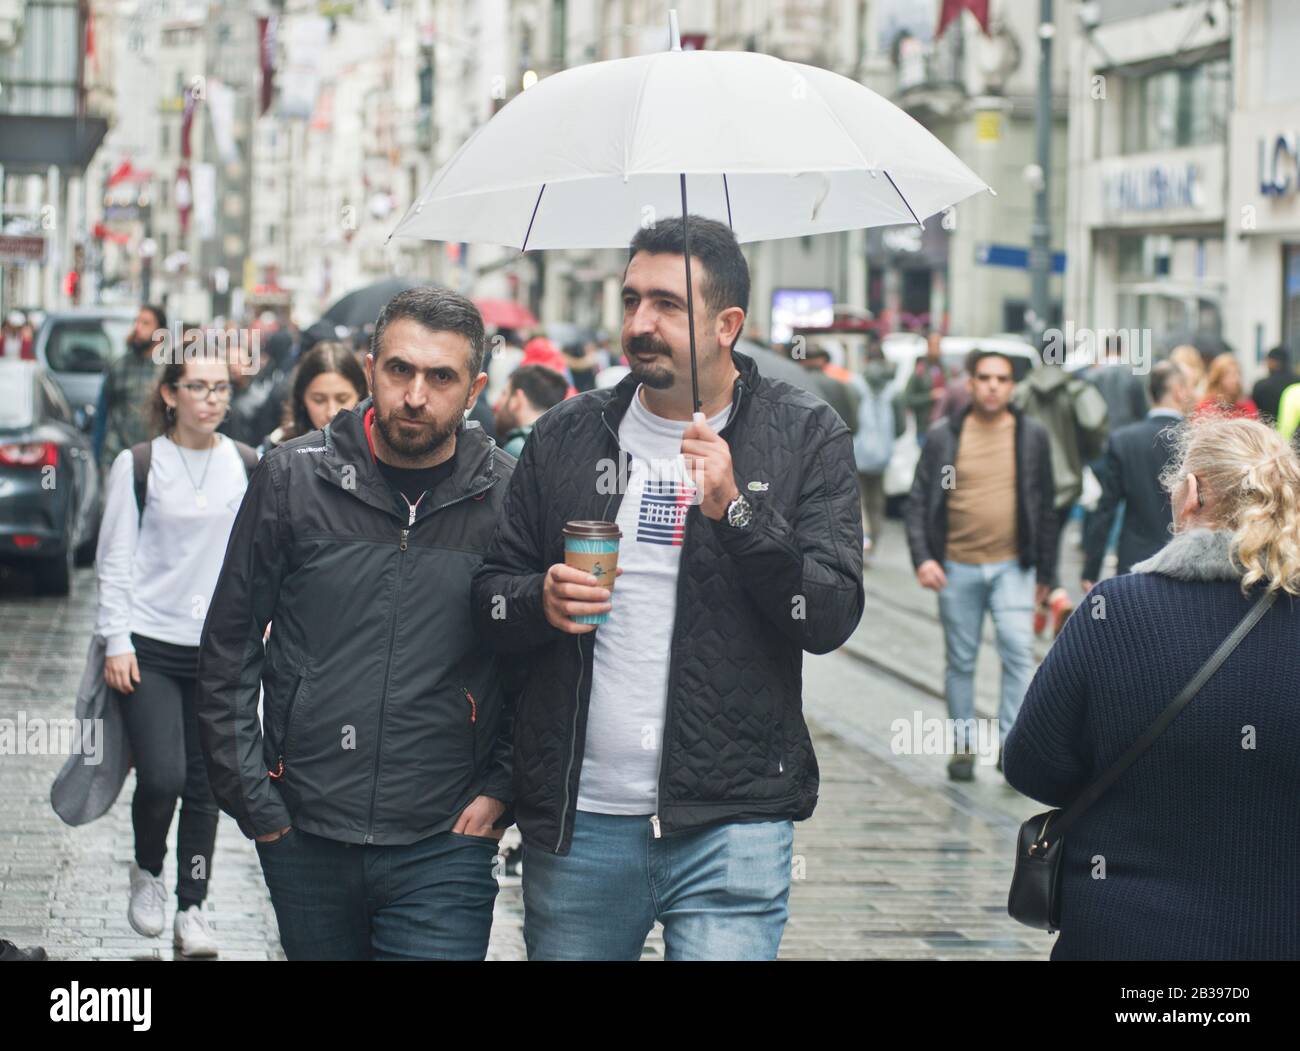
pixel 749 602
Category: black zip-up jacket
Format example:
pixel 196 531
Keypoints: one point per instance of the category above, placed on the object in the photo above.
pixel 384 712
pixel 735 746
pixel 1036 524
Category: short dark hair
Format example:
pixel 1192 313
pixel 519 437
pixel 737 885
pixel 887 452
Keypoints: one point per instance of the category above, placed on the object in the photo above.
pixel 543 387
pixel 977 355
pixel 1281 355
pixel 439 310
pixel 1163 375
pixel 726 282
pixel 159 314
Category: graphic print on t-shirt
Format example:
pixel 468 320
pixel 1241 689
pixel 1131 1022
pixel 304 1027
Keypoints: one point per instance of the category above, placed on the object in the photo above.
pixel 662 516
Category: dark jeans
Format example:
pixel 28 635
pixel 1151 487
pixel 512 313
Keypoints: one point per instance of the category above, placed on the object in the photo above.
pixel 430 900
pixel 164 733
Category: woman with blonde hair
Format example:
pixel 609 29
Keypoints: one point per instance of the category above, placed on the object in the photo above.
pixel 1190 360
pixel 1197 839
pixel 1223 390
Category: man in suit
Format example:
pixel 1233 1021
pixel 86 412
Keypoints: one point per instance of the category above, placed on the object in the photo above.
pixel 1135 456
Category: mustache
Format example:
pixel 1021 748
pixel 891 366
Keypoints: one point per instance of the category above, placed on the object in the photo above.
pixel 647 344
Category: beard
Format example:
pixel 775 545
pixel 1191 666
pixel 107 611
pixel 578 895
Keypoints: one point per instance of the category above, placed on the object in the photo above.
pixel 423 442
pixel 653 373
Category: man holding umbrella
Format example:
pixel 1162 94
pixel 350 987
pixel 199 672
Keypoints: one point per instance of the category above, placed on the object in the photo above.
pixel 661 758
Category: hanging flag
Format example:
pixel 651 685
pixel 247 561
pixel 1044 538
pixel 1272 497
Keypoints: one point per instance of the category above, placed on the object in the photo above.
pixel 187 121
pixel 184 196
pixel 266 31
pixel 952 10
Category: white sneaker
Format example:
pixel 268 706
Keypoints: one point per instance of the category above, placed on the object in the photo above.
pixel 148 900
pixel 193 936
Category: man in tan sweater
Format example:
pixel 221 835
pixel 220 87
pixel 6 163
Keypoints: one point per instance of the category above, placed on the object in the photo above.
pixel 982 534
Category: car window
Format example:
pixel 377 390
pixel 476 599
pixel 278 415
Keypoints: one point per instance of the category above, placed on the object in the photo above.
pixel 53 403
pixel 15 402
pixel 86 344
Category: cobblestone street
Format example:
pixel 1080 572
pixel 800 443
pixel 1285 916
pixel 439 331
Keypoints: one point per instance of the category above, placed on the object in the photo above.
pixel 898 862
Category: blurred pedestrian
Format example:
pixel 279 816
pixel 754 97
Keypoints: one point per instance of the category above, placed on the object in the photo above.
pixel 925 386
pixel 532 390
pixel 981 528
pixel 1077 420
pixel 16 340
pixel 1136 456
pixel 1223 390
pixel 840 392
pixel 1196 838
pixel 169 508
pixel 681 756
pixel 1267 392
pixel 122 415
pixel 1191 361
pixel 873 444
pixel 326 381
pixel 377 782
pixel 1120 387
pixel 584 364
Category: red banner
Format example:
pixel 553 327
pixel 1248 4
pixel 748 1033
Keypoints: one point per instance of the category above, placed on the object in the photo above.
pixel 952 10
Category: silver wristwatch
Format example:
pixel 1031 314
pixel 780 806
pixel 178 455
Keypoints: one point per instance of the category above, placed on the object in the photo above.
pixel 739 513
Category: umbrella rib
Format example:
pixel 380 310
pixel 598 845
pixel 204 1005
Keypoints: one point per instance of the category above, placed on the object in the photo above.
pixel 903 199
pixel 536 204
pixel 728 194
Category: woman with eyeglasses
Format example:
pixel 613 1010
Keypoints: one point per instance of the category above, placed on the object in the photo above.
pixel 157 565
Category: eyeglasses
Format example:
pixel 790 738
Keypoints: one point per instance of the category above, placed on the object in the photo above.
pixel 202 390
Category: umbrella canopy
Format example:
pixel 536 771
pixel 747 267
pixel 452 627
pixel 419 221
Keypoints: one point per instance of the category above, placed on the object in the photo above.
pixel 503 313
pixel 362 306
pixel 775 149
pixel 587 157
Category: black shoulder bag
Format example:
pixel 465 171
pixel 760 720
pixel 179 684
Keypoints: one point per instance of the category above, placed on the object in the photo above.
pixel 1035 898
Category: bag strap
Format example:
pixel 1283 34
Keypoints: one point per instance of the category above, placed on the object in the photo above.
pixel 1094 790
pixel 142 454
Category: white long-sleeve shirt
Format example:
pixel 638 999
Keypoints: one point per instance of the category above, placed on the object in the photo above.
pixel 156 577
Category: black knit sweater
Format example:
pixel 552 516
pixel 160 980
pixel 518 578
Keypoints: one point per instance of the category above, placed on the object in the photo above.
pixel 1201 836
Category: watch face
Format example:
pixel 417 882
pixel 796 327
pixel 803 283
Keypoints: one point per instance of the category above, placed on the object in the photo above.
pixel 738 513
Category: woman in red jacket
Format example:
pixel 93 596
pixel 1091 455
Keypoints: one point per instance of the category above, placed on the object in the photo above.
pixel 1223 390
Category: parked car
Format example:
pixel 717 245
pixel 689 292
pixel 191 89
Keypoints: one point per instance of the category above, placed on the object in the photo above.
pixel 904 350
pixel 49 484
pixel 75 346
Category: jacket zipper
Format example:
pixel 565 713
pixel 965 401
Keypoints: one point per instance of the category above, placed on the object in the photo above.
pixel 392 630
pixel 473 729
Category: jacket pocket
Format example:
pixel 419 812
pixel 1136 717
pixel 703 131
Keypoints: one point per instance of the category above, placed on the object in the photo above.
pixel 299 689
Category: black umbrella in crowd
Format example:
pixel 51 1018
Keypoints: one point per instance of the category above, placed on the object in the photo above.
pixel 360 307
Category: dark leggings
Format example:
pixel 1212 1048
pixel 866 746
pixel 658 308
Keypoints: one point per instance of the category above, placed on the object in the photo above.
pixel 163 729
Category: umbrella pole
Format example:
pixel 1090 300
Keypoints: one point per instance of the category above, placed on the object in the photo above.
pixel 690 298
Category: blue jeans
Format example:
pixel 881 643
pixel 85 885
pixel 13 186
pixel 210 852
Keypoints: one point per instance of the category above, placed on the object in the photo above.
pixel 720 892
pixel 430 900
pixel 1007 591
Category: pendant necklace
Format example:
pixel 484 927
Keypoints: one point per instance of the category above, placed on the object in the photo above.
pixel 200 497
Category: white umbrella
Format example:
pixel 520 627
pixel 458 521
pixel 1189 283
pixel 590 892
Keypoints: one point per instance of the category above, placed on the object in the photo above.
pixel 586 157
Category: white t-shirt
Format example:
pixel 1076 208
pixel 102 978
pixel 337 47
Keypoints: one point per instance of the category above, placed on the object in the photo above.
pixel 156 578
pixel 629 685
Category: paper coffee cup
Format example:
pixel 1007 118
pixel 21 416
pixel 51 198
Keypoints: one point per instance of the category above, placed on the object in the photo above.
pixel 593 548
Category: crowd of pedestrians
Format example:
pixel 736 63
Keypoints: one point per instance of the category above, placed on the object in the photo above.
pixel 348 603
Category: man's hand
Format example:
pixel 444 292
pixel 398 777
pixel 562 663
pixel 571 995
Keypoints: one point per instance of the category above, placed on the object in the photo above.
pixel 1041 591
pixel 121 671
pixel 271 837
pixel 569 593
pixel 708 463
pixel 930 574
pixel 478 818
